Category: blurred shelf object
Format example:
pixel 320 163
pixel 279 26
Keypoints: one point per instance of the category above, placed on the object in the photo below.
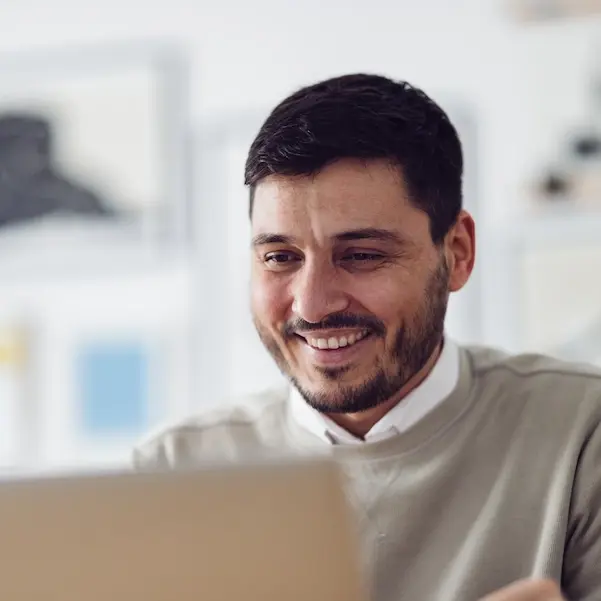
pixel 547 10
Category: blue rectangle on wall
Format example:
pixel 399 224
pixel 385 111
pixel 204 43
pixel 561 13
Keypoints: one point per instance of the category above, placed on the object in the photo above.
pixel 113 388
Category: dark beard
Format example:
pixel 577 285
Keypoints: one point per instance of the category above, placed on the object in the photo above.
pixel 413 347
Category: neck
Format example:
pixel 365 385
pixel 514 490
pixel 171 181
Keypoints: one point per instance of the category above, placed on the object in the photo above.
pixel 359 424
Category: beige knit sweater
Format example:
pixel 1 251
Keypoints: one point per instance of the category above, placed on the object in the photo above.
pixel 501 481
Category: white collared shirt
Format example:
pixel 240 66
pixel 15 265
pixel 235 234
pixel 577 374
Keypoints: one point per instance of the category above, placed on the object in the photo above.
pixel 435 388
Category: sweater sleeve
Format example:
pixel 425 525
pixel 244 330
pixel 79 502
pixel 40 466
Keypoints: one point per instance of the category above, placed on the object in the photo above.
pixel 144 458
pixel 156 452
pixel 582 558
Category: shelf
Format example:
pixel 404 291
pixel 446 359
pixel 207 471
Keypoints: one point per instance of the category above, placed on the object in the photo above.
pixel 540 11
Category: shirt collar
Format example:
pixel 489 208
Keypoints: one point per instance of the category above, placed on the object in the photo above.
pixel 434 389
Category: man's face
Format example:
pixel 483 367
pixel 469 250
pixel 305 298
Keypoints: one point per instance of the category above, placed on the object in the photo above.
pixel 348 291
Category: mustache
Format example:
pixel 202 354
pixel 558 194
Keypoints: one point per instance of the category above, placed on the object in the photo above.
pixel 336 320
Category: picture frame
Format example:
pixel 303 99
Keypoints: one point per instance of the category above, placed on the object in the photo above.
pixel 93 156
pixel 544 265
pixel 107 387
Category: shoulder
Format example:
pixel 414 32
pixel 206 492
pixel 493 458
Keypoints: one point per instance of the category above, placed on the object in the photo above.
pixel 537 378
pixel 230 428
pixel 486 360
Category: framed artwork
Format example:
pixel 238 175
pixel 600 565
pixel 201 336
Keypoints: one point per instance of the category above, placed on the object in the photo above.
pixel 111 365
pixel 92 156
pixel 544 291
pixel 561 311
pixel 116 388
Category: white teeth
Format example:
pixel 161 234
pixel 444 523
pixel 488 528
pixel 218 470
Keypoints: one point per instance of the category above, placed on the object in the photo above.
pixel 335 343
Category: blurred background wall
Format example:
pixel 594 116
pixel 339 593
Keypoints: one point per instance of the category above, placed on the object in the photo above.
pixel 124 305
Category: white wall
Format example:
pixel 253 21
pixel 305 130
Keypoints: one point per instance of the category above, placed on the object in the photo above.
pixel 250 54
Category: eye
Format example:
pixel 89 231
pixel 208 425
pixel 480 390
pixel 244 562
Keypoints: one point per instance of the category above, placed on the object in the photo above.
pixel 362 260
pixel 279 259
pixel 362 257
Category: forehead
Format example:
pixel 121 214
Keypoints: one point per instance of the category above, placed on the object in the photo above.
pixel 344 196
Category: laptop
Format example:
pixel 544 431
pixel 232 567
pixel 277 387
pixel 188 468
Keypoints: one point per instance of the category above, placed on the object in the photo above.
pixel 263 531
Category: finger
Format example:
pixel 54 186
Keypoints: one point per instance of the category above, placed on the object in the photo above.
pixel 528 590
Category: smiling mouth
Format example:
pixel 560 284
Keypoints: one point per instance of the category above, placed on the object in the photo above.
pixel 334 342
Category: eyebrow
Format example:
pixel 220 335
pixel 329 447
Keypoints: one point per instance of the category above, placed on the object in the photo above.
pixel 369 233
pixel 263 239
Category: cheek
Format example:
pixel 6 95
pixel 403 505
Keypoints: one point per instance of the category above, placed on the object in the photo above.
pixel 268 301
pixel 396 300
pixel 387 299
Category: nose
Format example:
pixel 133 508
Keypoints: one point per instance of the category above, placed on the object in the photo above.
pixel 317 293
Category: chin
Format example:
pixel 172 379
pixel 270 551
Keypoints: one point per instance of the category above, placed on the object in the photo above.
pixel 332 389
pixel 323 400
pixel 330 401
pixel 326 379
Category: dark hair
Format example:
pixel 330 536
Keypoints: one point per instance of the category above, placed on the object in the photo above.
pixel 365 117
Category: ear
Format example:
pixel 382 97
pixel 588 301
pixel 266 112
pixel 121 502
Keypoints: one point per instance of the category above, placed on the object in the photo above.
pixel 460 250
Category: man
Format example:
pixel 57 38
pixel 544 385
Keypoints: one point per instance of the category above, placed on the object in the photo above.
pixel 469 470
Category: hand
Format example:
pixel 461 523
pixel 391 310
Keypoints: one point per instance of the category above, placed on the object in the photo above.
pixel 528 590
